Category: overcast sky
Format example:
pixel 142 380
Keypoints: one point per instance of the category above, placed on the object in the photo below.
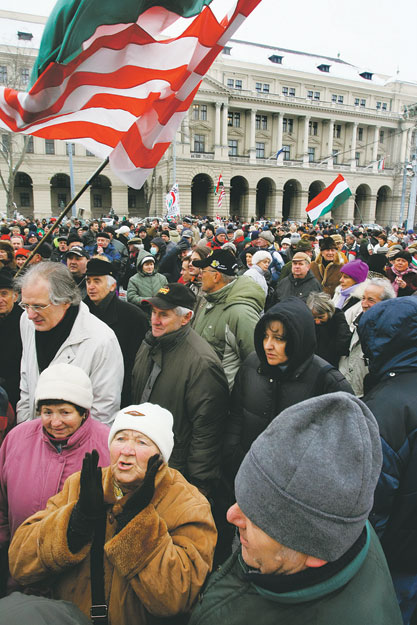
pixel 379 35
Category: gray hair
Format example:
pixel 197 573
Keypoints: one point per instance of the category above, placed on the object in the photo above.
pixel 384 284
pixel 61 285
pixel 227 279
pixel 320 303
pixel 180 311
pixel 111 281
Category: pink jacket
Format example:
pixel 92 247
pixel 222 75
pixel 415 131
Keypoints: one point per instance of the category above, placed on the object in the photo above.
pixel 32 470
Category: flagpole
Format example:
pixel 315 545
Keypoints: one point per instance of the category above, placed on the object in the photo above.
pixel 64 212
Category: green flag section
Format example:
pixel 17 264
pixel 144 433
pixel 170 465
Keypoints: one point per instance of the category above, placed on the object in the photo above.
pixel 74 21
pixel 330 198
pixel 118 77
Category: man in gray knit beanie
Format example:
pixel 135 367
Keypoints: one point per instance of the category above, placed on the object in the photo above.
pixel 308 554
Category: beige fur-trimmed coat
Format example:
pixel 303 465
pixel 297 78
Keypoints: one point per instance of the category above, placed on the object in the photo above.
pixel 157 563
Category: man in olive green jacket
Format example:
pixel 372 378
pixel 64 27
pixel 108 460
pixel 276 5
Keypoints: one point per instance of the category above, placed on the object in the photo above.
pixel 308 554
pixel 228 313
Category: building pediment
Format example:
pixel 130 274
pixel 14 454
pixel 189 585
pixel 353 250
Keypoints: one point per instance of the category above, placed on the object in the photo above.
pixel 211 84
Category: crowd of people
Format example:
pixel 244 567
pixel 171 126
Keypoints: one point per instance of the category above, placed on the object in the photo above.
pixel 207 421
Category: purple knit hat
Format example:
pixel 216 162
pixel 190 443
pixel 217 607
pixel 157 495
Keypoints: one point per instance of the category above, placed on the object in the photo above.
pixel 357 270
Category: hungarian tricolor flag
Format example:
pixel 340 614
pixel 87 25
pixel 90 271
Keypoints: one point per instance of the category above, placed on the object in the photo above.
pixel 119 76
pixel 330 198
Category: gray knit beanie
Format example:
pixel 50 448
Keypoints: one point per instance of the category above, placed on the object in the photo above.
pixel 308 480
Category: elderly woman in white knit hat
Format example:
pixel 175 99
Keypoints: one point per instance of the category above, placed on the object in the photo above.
pixel 260 263
pixel 37 456
pixel 133 540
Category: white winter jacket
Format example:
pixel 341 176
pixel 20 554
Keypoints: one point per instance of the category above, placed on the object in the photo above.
pixel 91 345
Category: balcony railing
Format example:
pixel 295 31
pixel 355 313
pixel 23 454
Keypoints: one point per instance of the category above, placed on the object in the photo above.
pixel 209 156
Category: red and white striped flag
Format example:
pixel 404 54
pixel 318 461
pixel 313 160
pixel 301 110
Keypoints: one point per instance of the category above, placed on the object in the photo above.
pixel 118 79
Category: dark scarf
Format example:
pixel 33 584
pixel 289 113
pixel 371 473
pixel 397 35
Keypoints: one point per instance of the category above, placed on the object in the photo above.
pixel 49 342
pixel 309 577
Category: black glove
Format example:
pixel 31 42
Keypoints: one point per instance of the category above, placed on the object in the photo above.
pixel 89 508
pixel 142 496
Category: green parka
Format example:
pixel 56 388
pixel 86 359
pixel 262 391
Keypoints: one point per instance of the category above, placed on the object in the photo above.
pixel 143 285
pixel 227 320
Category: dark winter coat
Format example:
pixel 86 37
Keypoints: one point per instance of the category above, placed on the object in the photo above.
pixel 409 278
pixel 11 354
pixel 180 372
pixel 333 338
pixel 388 334
pixel 354 596
pixel 130 324
pixel 262 391
pixel 299 287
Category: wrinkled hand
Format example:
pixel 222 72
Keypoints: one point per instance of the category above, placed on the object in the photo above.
pixel 91 499
pixel 142 496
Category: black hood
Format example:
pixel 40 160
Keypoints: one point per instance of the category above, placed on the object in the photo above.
pixel 299 330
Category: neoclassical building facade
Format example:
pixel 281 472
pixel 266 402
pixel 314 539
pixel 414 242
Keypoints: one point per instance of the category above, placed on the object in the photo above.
pixel 324 116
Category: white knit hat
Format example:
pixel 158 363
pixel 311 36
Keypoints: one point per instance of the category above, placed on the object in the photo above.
pixel 62 382
pixel 261 255
pixel 149 419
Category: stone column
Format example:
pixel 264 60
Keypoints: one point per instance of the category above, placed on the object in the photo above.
pixel 224 148
pixel 305 141
pixel 353 146
pixel 278 145
pixel 349 209
pixel 217 131
pixel 42 201
pixel 276 205
pixel 252 137
pixel 375 149
pixel 330 144
pixel 403 149
pixel 119 199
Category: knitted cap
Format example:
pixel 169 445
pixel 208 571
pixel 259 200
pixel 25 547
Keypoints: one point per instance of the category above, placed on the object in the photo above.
pixel 308 480
pixel 261 255
pixel 356 269
pixel 149 419
pixel 62 382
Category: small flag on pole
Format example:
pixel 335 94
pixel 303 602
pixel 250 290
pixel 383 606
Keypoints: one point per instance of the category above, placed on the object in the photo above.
pixel 330 198
pixel 173 202
pixel 221 196
pixel 278 153
pixel 219 184
pixel 381 164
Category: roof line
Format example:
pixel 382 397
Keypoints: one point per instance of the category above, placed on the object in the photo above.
pixel 275 48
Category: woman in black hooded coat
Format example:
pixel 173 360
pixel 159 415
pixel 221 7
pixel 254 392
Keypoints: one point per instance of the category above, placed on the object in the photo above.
pixel 261 390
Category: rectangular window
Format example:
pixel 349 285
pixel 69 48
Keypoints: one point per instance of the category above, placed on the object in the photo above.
pixel 317 95
pixel 363 102
pixel 24 198
pixel 233 119
pixel 384 106
pixel 97 200
pixel 230 83
pixel 203 112
pixel 335 154
pixel 62 200
pixel 233 147
pixel 3 74
pixel 260 150
pixel 286 151
pixel 49 146
pixel 360 134
pixel 238 84
pixel 334 97
pixel 356 101
pixel 311 154
pixel 381 136
pixel 24 75
pixel 29 146
pixel 265 88
pixel 67 148
pixel 287 125
pixel 378 105
pixel 5 143
pixel 196 111
pixel 313 128
pixel 258 87
pixel 357 158
pixel 292 91
pixel 261 122
pixel 199 143
pixel 310 95
pixel 285 91
pixel 337 131
pixel 340 99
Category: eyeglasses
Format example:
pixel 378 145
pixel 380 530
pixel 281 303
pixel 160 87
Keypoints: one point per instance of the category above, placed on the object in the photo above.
pixel 34 307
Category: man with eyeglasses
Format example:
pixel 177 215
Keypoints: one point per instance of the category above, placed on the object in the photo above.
pixel 58 327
